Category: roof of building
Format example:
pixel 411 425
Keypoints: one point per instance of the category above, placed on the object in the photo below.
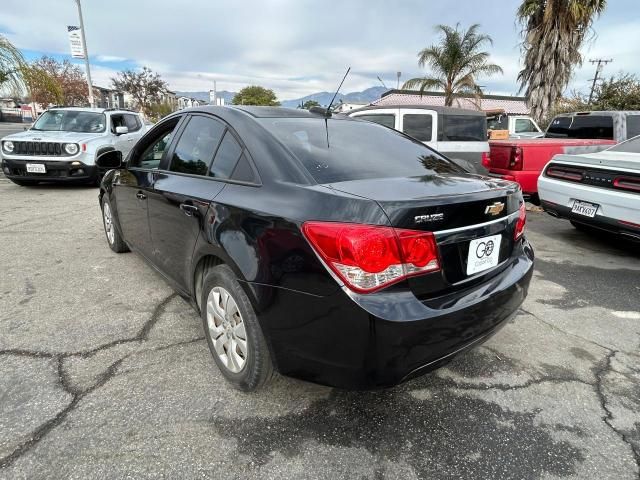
pixel 436 108
pixel 514 105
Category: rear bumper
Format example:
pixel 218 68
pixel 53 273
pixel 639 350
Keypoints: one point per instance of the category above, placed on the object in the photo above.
pixel 370 341
pixel 528 179
pixel 617 212
pixel 56 171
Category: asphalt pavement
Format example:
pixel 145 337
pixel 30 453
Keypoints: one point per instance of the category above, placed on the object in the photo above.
pixel 104 373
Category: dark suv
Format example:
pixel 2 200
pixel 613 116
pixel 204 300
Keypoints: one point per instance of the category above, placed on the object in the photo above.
pixel 326 248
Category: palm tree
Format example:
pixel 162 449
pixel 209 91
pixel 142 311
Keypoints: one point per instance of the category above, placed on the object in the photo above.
pixel 11 65
pixel 554 31
pixel 457 60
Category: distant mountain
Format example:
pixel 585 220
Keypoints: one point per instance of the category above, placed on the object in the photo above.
pixel 204 96
pixel 323 98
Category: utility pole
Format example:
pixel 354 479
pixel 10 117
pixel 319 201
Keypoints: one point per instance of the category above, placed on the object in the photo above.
pixel 601 62
pixel 86 55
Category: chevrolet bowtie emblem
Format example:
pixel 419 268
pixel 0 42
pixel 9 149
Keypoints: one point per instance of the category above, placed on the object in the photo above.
pixel 494 208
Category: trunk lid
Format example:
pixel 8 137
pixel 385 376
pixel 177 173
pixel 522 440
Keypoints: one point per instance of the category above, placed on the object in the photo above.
pixel 457 208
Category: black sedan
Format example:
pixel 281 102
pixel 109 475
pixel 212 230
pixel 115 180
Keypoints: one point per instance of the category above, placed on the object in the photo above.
pixel 323 247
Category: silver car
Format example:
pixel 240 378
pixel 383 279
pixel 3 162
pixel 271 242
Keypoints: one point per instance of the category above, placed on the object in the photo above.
pixel 63 143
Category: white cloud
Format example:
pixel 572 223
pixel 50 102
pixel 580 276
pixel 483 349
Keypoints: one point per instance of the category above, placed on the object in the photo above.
pixel 295 47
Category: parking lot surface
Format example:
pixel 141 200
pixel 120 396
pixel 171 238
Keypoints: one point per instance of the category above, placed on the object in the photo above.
pixel 104 373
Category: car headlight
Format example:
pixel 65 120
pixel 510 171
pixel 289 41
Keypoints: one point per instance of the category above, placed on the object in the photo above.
pixel 71 148
pixel 8 146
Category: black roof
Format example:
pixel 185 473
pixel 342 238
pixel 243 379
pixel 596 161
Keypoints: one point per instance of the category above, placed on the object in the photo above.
pixel 274 112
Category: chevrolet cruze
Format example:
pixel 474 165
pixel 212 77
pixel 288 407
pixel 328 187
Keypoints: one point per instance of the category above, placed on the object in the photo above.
pixel 319 246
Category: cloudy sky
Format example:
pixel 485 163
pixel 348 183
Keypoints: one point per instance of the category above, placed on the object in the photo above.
pixel 295 47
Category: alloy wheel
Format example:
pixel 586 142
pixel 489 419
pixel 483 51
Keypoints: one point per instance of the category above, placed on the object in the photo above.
pixel 108 223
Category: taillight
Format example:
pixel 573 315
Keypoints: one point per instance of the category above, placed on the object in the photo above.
pixel 515 159
pixel 369 257
pixel 564 174
pixel 486 160
pixel 522 220
pixel 84 147
pixel 627 183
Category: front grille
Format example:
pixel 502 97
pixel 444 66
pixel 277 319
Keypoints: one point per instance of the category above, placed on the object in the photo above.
pixel 50 149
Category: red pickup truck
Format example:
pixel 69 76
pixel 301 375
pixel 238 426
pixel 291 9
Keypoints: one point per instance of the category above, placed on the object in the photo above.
pixel 522 160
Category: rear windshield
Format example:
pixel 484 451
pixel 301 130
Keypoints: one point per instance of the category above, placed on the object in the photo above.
pixel 581 126
pixel 335 150
pixel 630 146
pixel 464 128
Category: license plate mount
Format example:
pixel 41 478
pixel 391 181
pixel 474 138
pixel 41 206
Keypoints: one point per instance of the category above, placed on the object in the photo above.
pixel 586 209
pixel 36 168
pixel 484 253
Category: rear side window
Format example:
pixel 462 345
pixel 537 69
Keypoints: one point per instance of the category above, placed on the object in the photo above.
pixel 418 126
pixel 226 157
pixel 633 125
pixel 197 145
pixel 336 150
pixel 386 119
pixel 581 126
pixel 464 128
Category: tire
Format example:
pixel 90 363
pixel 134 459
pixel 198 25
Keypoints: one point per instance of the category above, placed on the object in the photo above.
pixel 246 368
pixel 115 241
pixel 24 183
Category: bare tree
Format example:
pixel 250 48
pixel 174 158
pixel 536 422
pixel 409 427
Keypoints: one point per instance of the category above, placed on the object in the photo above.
pixel 146 87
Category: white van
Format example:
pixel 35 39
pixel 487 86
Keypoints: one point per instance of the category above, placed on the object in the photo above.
pixel 457 133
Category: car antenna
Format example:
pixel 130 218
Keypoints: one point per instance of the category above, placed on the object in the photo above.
pixel 337 91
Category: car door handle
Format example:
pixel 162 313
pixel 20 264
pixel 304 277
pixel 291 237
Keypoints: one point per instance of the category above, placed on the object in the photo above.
pixel 131 140
pixel 188 210
pixel 141 196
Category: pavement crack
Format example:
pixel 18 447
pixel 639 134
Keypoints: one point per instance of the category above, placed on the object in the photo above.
pixel 66 383
pixel 608 414
pixel 555 327
pixel 52 423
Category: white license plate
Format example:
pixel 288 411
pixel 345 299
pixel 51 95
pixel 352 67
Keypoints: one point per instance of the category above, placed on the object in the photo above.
pixel 483 254
pixel 36 168
pixel 584 208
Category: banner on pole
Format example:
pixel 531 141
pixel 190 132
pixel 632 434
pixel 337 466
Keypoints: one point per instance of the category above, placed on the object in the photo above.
pixel 75 39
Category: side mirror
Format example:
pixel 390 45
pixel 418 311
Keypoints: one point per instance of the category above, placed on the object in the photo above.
pixel 110 159
pixel 122 130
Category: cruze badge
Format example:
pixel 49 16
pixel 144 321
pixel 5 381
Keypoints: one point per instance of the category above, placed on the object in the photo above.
pixel 434 217
pixel 494 208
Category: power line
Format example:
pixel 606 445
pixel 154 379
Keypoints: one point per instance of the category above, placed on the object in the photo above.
pixel 601 63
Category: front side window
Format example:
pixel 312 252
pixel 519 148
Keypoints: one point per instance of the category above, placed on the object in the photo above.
pixel 132 122
pixel 117 121
pixel 152 148
pixel 464 128
pixel 386 119
pixel 524 125
pixel 418 126
pixel 336 150
pixel 197 145
pixel 71 121
pixel 633 125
